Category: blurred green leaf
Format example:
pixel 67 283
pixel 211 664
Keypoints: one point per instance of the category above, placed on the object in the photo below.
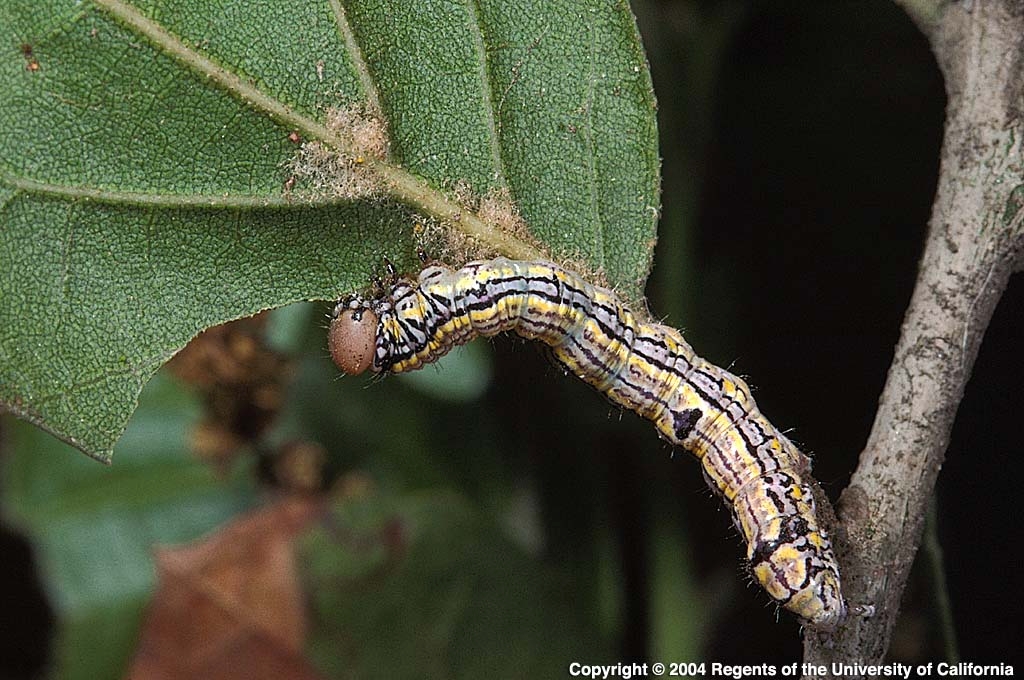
pixel 459 376
pixel 94 527
pixel 399 433
pixel 422 586
pixel 144 156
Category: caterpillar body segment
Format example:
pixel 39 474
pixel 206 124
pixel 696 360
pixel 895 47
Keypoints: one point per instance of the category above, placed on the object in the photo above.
pixel 645 367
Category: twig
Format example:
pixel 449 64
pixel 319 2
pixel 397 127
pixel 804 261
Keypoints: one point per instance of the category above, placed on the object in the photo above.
pixel 973 245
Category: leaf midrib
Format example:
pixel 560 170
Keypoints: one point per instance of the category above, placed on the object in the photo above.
pixel 400 184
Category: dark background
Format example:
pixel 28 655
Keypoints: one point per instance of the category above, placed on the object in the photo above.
pixel 801 144
pixel 820 158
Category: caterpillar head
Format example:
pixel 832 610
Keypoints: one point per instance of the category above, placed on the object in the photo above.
pixel 352 336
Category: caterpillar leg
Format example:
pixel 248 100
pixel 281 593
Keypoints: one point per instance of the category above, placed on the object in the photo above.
pixel 790 556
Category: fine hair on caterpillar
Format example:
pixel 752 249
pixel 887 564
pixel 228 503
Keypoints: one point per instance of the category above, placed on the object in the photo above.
pixel 643 366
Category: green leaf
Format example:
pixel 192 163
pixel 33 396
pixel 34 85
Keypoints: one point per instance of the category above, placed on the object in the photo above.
pixel 461 376
pixel 422 586
pixel 148 152
pixel 94 527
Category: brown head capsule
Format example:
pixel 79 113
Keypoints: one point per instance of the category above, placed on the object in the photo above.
pixel 352 339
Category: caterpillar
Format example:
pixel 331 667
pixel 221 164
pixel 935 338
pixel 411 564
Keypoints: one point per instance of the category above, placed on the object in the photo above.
pixel 642 366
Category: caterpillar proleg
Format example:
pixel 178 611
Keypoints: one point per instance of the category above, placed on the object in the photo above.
pixel 643 366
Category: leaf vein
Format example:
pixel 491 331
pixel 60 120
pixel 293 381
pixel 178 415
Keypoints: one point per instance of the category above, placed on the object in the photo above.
pixel 402 185
pixel 362 68
pixel 595 206
pixel 493 115
pixel 164 200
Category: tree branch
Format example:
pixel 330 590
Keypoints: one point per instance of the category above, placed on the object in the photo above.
pixel 974 244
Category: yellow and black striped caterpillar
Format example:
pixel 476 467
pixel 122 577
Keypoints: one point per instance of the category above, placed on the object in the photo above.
pixel 645 367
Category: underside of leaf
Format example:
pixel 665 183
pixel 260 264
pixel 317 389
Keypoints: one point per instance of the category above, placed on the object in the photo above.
pixel 150 158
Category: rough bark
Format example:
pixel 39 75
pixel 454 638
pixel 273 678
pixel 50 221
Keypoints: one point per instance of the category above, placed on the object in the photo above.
pixel 974 244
